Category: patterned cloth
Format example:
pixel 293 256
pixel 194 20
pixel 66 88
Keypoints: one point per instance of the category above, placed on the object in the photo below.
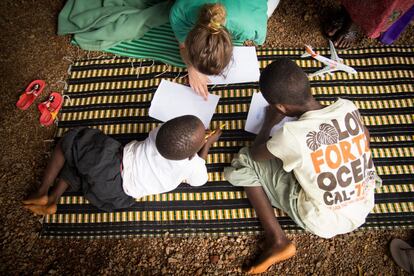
pixel 114 95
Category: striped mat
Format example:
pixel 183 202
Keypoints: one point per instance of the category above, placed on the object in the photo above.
pixel 114 94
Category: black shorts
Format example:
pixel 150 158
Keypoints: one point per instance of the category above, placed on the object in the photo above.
pixel 93 165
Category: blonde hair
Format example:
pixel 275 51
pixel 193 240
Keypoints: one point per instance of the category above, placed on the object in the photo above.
pixel 209 45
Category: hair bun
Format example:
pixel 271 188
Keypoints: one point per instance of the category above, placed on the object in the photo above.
pixel 213 16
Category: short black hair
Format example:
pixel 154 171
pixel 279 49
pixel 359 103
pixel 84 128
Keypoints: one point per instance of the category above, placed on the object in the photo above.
pixel 176 140
pixel 284 82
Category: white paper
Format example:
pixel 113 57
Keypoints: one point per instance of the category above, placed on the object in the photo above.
pixel 172 100
pixel 256 115
pixel 244 67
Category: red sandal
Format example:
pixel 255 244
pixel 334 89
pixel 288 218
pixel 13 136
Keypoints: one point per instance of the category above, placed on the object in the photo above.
pixel 50 108
pixel 32 91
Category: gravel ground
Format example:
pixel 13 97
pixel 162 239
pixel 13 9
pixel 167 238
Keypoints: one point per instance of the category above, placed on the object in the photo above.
pixel 31 50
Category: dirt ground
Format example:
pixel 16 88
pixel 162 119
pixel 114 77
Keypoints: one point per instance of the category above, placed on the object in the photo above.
pixel 32 50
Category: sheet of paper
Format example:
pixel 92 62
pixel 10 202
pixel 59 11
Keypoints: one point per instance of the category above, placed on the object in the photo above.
pixel 257 113
pixel 172 100
pixel 244 67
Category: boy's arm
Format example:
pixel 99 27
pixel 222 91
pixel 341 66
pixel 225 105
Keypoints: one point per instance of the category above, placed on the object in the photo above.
pixel 259 150
pixel 204 150
pixel 367 135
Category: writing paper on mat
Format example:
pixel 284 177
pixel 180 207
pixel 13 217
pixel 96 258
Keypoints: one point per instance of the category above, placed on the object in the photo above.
pixel 172 100
pixel 244 67
pixel 256 115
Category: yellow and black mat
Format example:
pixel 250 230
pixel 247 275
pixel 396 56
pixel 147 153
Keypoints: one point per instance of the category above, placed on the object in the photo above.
pixel 114 94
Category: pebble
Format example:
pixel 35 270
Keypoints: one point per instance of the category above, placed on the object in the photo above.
pixel 168 250
pixel 214 259
pixel 318 264
pixel 172 260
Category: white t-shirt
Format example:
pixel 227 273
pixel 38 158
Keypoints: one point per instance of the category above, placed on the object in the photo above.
pixel 147 172
pixel 328 151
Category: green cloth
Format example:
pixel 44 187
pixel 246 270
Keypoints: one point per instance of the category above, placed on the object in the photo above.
pixel 101 24
pixel 159 44
pixel 245 20
pixel 281 187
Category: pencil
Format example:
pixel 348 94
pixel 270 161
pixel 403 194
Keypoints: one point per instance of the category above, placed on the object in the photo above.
pixel 211 133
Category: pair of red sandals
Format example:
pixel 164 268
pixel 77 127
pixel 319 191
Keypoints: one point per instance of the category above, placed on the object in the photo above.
pixel 48 109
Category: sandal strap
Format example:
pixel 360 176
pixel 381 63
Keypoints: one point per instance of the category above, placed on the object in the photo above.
pixel 35 90
pixel 48 102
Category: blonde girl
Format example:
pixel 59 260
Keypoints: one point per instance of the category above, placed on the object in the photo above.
pixel 207 31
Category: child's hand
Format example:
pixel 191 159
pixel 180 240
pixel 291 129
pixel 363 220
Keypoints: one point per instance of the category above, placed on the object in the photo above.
pixel 249 43
pixel 213 137
pixel 198 82
pixel 272 117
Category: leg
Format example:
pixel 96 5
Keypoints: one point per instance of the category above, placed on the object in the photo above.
pixel 335 20
pixel 53 168
pixel 346 37
pixel 340 28
pixel 52 199
pixel 279 247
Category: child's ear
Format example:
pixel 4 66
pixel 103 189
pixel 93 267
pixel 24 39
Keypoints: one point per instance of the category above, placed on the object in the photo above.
pixel 281 108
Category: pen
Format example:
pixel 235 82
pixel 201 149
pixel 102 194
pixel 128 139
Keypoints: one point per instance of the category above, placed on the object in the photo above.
pixel 211 133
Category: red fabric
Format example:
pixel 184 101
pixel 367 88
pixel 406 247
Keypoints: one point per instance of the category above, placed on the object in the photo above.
pixel 376 16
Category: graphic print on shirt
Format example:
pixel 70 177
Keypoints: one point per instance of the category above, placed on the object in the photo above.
pixel 341 160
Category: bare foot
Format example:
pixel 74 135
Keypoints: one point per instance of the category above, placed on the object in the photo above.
pixel 36 200
pixel 42 209
pixel 340 28
pixel 271 256
pixel 346 37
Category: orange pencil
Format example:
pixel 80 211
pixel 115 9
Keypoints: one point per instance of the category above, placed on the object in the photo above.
pixel 211 133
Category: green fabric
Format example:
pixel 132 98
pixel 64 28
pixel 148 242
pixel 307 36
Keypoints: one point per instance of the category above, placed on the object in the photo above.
pixel 98 25
pixel 281 187
pixel 245 20
pixel 158 44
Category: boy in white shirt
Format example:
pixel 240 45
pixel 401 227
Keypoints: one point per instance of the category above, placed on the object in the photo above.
pixel 317 169
pixel 111 176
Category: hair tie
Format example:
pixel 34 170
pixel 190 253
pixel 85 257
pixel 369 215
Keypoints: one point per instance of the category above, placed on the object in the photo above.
pixel 214 27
